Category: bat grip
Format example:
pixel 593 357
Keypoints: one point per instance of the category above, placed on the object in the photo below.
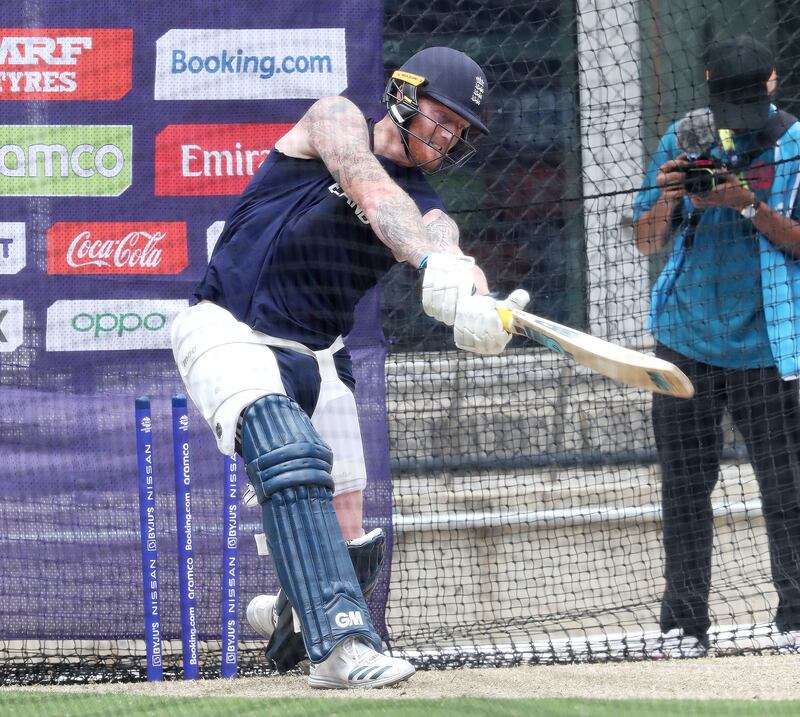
pixel 507 317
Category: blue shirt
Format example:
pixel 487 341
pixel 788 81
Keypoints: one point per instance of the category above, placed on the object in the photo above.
pixel 714 310
pixel 296 254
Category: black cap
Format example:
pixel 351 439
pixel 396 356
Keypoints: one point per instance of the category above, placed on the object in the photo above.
pixel 737 72
pixel 452 78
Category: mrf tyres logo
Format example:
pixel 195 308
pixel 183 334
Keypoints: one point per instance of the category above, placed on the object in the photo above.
pixel 206 159
pixel 116 248
pixel 111 325
pixel 65 160
pixel 65 63
pixel 205 64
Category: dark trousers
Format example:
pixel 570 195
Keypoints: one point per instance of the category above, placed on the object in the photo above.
pixel 766 411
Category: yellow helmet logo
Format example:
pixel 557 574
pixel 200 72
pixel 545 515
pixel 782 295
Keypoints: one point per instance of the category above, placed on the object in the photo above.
pixel 409 77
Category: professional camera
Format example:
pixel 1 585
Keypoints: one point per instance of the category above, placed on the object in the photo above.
pixel 699 177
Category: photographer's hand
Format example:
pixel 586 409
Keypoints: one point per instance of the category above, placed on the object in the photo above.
pixel 652 230
pixel 782 231
pixel 671 179
pixel 729 192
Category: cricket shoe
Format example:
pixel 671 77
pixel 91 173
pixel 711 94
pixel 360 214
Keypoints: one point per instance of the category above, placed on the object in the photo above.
pixel 354 664
pixel 262 616
pixel 674 644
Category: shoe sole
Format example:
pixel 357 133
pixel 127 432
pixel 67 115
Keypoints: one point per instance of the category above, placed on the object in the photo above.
pixel 328 683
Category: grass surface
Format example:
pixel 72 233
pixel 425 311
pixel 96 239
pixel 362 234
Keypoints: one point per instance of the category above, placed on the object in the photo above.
pixel 18 703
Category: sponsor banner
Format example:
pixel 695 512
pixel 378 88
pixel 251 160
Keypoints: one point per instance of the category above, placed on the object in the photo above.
pixel 116 248
pixel 213 64
pixel 65 160
pixel 65 63
pixel 11 315
pixel 12 247
pixel 207 159
pixel 212 234
pixel 111 325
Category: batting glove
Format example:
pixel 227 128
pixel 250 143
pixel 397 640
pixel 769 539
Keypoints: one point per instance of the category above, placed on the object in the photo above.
pixel 478 327
pixel 447 278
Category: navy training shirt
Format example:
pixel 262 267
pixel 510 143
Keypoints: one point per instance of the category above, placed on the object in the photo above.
pixel 296 254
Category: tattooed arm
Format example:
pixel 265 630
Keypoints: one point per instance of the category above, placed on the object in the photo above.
pixel 443 234
pixel 335 131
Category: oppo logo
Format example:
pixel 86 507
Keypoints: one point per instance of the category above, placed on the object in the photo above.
pixel 111 325
pixel 118 323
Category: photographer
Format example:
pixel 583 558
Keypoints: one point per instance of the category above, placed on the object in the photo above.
pixel 726 310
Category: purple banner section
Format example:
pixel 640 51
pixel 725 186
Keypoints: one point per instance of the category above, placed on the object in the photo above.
pixel 127 131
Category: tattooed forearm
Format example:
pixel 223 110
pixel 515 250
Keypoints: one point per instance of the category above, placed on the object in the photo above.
pixel 442 232
pixel 338 132
pixel 400 227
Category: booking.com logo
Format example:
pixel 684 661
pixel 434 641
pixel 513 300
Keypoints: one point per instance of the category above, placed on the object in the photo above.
pixel 237 63
pixel 252 64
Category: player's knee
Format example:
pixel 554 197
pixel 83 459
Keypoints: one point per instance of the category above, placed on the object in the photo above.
pixel 282 449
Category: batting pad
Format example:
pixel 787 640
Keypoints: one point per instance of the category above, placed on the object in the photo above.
pixel 289 466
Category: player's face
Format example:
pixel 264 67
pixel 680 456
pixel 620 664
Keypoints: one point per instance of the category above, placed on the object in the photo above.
pixel 437 129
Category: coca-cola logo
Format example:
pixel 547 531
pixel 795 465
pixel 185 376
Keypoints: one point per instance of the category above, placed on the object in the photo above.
pixel 116 248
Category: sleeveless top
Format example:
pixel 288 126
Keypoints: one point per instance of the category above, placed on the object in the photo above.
pixel 296 254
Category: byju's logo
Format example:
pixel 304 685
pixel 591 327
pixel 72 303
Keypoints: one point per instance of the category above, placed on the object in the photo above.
pixel 65 64
pixel 111 325
pixel 11 315
pixel 297 63
pixel 116 248
pixel 12 247
pixel 65 160
pixel 205 159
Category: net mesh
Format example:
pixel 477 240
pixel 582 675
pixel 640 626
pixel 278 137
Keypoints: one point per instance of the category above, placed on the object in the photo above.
pixel 527 489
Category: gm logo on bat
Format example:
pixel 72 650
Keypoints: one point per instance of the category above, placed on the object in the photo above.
pixel 660 382
pixel 545 341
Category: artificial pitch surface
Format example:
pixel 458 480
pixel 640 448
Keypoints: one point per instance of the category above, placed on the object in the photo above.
pixel 750 685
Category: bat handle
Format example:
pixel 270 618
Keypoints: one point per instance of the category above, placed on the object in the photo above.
pixel 507 317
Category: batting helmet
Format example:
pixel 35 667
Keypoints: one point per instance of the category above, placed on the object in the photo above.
pixel 447 76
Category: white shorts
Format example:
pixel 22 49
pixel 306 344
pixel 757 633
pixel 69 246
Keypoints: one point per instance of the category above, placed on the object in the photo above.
pixel 225 366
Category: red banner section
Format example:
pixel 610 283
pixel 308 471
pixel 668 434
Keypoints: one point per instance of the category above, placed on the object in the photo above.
pixel 65 63
pixel 116 248
pixel 206 159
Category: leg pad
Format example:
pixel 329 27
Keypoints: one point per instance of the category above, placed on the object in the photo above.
pixel 289 466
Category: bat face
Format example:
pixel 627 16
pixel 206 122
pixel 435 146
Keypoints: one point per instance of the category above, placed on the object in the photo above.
pixel 622 364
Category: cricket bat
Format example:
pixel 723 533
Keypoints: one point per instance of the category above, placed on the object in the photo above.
pixel 617 362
